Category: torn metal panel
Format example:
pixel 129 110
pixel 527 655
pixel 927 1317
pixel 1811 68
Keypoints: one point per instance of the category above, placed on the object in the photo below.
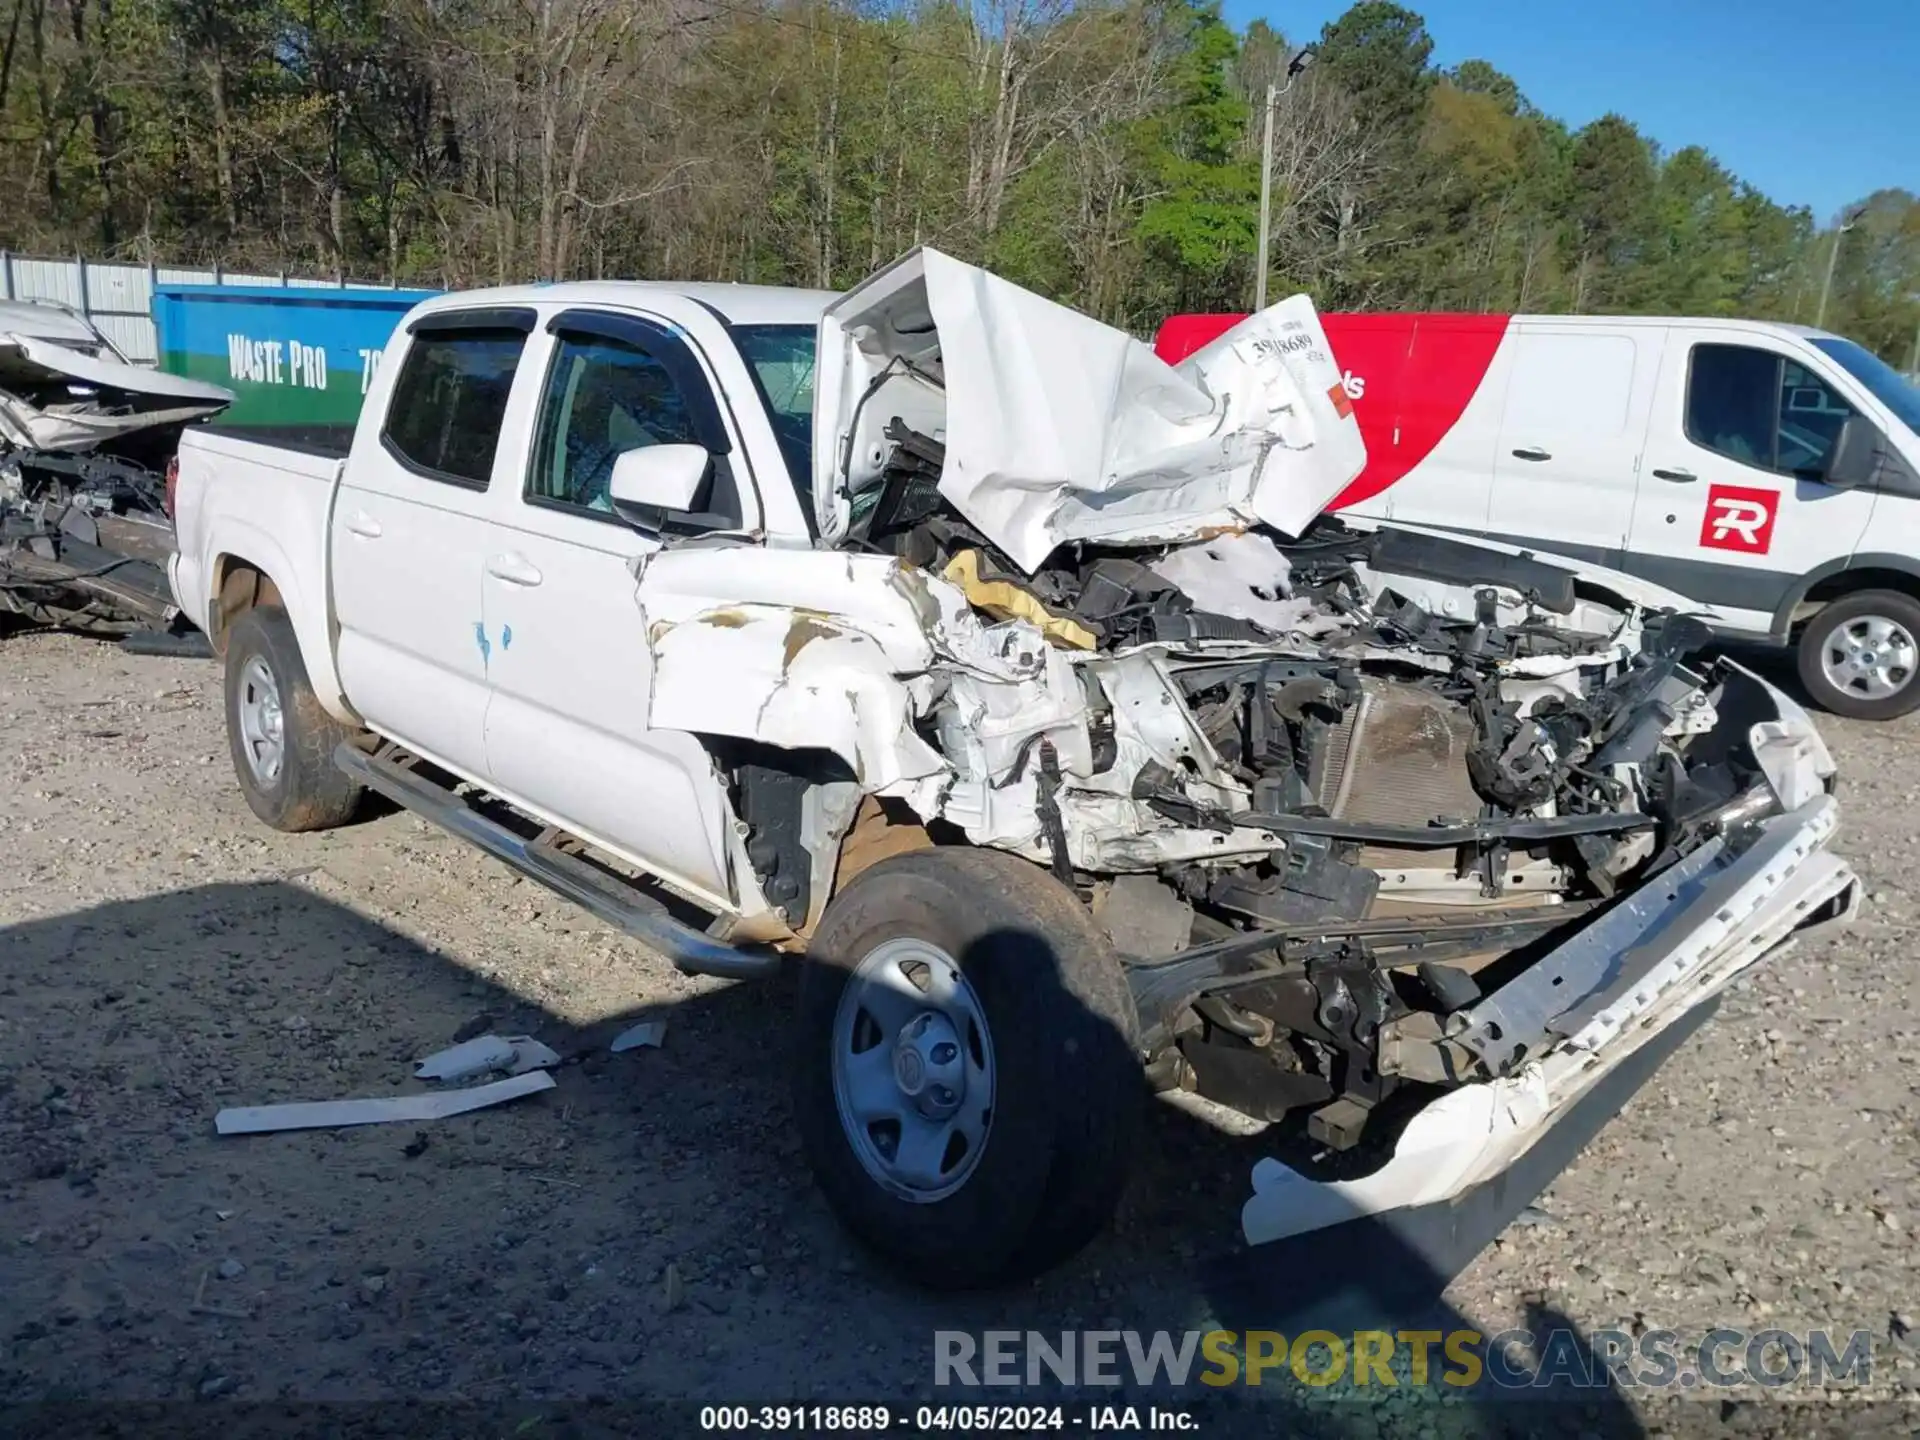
pixel 54 396
pixel 827 814
pixel 911 615
pixel 1150 713
pixel 1473 1133
pixel 84 441
pixel 988 727
pixel 798 679
pixel 1060 428
pixel 337 1114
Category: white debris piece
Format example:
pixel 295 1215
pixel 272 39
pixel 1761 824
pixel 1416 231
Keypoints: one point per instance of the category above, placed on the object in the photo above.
pixel 1244 576
pixel 487 1055
pixel 335 1114
pixel 647 1032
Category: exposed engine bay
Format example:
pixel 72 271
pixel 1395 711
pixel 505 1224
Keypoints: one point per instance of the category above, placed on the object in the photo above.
pixel 1310 828
pixel 1370 816
pixel 85 441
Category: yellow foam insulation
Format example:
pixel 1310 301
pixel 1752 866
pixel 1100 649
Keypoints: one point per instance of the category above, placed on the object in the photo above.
pixel 1005 600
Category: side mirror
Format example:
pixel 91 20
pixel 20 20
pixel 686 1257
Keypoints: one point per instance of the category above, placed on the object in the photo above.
pixel 652 479
pixel 1855 457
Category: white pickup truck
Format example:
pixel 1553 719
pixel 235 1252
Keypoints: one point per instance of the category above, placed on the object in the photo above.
pixel 945 645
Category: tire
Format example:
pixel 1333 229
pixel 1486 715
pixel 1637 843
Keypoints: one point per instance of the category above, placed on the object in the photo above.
pixel 1845 651
pixel 305 790
pixel 1065 1092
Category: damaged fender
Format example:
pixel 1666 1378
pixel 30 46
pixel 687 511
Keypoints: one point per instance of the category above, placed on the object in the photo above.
pixel 843 661
pixel 798 679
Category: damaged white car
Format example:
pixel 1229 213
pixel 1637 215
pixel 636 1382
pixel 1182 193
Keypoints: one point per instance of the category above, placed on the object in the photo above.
pixel 946 645
pixel 86 438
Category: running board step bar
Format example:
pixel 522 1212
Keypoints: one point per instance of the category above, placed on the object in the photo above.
pixel 608 898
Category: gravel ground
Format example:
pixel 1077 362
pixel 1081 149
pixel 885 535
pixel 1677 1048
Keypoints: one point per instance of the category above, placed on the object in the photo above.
pixel 647 1227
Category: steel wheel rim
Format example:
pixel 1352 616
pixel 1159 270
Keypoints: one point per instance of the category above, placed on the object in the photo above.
pixel 916 1116
pixel 263 730
pixel 1869 656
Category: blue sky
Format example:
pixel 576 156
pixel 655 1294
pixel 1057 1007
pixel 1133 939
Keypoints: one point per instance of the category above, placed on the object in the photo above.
pixel 1816 102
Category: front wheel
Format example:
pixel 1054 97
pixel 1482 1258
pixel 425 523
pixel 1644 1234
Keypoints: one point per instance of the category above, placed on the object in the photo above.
pixel 966 1085
pixel 1860 656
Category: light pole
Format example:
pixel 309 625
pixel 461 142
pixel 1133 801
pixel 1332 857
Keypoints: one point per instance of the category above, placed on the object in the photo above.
pixel 1299 62
pixel 1847 219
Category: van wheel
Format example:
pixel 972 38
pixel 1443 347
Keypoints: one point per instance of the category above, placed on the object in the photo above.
pixel 966 1081
pixel 1860 657
pixel 282 740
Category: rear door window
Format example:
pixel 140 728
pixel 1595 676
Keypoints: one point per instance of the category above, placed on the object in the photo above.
pixel 443 418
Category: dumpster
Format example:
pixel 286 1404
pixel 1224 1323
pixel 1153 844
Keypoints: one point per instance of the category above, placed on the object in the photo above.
pixel 297 358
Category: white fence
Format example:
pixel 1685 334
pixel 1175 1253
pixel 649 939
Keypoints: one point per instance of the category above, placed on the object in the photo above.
pixel 119 298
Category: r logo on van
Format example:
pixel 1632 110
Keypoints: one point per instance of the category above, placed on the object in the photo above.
pixel 1739 518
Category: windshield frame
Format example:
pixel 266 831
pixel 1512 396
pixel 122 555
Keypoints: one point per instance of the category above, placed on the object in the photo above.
pixel 1879 379
pixel 792 432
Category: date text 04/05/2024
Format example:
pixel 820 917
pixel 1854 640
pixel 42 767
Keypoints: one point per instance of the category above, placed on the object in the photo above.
pixel 945 1419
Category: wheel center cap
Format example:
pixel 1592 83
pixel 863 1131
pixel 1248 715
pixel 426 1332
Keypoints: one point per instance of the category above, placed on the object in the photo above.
pixel 927 1065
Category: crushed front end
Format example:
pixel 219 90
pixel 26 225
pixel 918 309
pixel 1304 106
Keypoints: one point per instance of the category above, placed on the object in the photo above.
pixel 1405 885
pixel 1405 843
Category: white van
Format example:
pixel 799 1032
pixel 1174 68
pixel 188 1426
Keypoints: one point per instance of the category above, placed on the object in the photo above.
pixel 1770 473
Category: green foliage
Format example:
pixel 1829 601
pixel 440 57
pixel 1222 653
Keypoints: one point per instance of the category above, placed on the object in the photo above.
pixel 1105 152
pixel 1378 53
pixel 1202 222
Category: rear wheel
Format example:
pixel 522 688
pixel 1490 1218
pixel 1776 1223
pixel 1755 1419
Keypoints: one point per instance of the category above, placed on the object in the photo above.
pixel 1860 656
pixel 966 1083
pixel 282 740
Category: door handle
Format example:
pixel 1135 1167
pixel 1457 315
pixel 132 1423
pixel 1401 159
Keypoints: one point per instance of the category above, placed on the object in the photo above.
pixel 1531 452
pixel 514 569
pixel 364 525
pixel 1679 477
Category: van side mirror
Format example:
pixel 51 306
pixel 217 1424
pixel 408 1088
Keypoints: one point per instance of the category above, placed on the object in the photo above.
pixel 1855 457
pixel 652 481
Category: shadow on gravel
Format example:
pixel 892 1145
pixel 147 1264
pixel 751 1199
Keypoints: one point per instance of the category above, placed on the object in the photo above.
pixel 645 1231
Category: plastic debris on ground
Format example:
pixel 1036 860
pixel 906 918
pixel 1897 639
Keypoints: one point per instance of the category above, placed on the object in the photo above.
pixel 487 1055
pixel 647 1032
pixel 334 1114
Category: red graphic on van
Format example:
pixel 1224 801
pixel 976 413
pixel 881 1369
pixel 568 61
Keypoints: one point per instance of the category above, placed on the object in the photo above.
pixel 1409 377
pixel 1739 518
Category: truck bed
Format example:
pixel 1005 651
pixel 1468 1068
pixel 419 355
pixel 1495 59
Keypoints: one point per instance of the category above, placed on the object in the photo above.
pixel 272 500
pixel 325 442
pixel 228 446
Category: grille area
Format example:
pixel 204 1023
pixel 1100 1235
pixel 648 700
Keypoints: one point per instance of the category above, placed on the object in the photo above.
pixel 1399 758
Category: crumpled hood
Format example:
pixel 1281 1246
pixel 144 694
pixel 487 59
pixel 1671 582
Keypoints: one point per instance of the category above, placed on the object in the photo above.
pixel 56 398
pixel 1059 428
